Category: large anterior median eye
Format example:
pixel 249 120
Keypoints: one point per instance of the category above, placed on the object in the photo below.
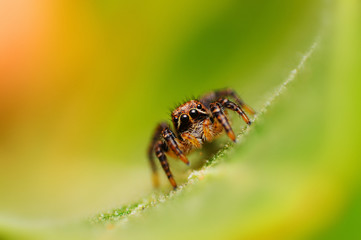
pixel 193 113
pixel 184 118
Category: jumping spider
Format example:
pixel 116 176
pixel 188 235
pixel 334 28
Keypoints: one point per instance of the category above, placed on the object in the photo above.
pixel 195 122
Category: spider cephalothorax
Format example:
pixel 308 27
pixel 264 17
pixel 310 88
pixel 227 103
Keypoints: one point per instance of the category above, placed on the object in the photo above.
pixel 195 122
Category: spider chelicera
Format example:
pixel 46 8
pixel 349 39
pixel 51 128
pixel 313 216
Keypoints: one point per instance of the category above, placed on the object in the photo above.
pixel 195 122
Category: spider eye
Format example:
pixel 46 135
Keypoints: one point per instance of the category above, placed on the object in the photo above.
pixel 193 113
pixel 184 118
pixel 199 106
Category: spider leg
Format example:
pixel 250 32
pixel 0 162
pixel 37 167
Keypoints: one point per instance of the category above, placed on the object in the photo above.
pixel 170 139
pixel 160 149
pixel 218 113
pixel 190 138
pixel 228 92
pixel 234 107
pixel 206 131
pixel 156 137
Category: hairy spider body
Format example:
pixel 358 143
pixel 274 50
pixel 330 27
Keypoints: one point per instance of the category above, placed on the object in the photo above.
pixel 195 122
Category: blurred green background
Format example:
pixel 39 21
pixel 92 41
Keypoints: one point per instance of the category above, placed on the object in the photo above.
pixel 83 84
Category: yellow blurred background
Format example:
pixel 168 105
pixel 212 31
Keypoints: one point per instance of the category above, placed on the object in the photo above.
pixel 83 84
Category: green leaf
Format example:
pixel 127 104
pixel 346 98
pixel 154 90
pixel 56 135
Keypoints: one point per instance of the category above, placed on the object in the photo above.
pixel 293 174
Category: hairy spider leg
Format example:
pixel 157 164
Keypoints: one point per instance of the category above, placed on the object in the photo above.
pixel 191 139
pixel 155 138
pixel 223 93
pixel 218 113
pixel 206 131
pixel 211 128
pixel 230 92
pixel 234 107
pixel 170 139
pixel 160 149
